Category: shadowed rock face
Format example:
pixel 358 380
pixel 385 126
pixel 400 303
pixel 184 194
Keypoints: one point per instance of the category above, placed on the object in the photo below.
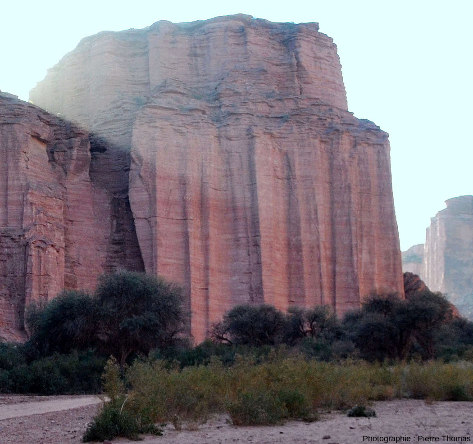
pixel 58 228
pixel 413 284
pixel 248 179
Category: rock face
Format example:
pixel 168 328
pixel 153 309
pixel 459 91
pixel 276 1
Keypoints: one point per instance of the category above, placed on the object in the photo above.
pixel 448 253
pixel 56 224
pixel 248 179
pixel 412 259
pixel 413 284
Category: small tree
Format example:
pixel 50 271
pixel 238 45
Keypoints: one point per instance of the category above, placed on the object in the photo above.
pixel 63 324
pixel 129 313
pixel 388 327
pixel 136 313
pixel 253 325
pixel 319 323
pixel 453 339
pixel 427 312
pixel 375 337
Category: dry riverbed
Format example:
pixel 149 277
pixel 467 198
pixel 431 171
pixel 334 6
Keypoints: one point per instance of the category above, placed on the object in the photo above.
pixel 411 421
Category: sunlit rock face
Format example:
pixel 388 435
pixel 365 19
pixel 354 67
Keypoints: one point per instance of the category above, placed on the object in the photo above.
pixel 57 226
pixel 248 179
pixel 448 253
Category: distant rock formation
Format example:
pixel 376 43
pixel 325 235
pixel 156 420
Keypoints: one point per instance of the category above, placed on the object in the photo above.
pixel 448 253
pixel 447 257
pixel 228 145
pixel 412 259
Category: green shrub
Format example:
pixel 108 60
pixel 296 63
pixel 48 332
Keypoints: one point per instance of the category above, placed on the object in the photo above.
pixel 115 421
pixel 253 325
pixel 136 313
pixel 11 356
pixel 281 386
pixel 319 323
pixel 47 377
pixel 5 381
pixel 316 349
pixel 257 408
pixel 360 411
pixel 296 403
pixel 129 313
pixel 202 354
pixel 387 327
pixel 65 323
pixel 454 340
pixel 168 394
pixel 54 375
pixel 438 381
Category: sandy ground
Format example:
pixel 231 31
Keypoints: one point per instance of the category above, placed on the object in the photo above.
pixel 22 406
pixel 408 420
pixel 57 427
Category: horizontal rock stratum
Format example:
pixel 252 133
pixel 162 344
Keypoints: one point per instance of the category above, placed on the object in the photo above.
pixel 247 178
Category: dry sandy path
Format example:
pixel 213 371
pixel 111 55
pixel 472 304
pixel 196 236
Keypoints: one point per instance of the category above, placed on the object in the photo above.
pixel 413 420
pixel 15 410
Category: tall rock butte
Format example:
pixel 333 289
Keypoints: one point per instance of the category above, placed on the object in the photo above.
pixel 227 144
pixel 447 256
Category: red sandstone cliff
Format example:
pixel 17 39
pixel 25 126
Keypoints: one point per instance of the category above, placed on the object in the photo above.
pixel 248 179
pixel 56 225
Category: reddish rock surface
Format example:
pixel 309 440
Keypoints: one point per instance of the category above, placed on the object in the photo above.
pixel 249 180
pixel 413 284
pixel 56 224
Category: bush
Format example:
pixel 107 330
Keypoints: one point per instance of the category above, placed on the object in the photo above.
pixel 295 402
pixel 130 313
pixel 438 381
pixel 276 388
pixel 327 351
pixel 426 312
pixel 65 323
pixel 253 325
pixel 114 421
pixel 5 381
pixel 167 394
pixel 136 313
pixel 376 337
pixel 11 356
pixel 454 340
pixel 58 374
pixel 360 411
pixel 387 327
pixel 257 408
pixel 319 323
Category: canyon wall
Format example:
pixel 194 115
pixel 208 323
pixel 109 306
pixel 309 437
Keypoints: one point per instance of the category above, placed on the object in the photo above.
pixel 228 145
pixel 57 227
pixel 412 259
pixel 448 253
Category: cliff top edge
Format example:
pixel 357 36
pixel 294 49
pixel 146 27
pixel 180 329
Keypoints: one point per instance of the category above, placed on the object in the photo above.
pixel 245 19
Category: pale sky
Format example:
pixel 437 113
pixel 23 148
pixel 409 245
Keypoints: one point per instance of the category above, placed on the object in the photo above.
pixel 407 66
